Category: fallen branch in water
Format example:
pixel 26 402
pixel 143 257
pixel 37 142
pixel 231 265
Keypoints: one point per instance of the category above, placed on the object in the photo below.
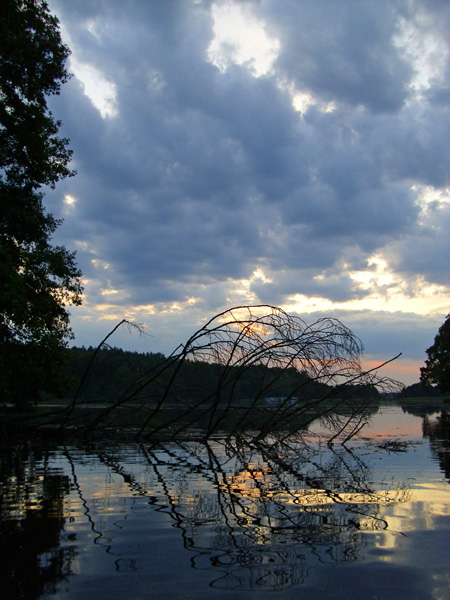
pixel 288 372
pixel 394 446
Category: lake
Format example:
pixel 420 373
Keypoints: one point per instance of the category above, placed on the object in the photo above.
pixel 369 520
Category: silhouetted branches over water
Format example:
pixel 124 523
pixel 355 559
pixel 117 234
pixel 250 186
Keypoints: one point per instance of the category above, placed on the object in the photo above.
pixel 253 371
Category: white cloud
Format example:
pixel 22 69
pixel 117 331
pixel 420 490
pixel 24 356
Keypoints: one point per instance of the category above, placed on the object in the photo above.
pixel 240 38
pixel 425 48
pixel 100 91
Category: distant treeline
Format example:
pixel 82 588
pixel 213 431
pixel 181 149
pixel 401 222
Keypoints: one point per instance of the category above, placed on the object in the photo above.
pixel 114 372
pixel 419 390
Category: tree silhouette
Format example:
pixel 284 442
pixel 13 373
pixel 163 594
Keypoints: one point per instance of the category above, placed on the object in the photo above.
pixel 437 365
pixel 38 279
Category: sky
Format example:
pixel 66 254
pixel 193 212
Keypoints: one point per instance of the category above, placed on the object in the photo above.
pixel 293 153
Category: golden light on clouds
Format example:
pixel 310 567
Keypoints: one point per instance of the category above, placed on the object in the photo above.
pixel 100 264
pixel 385 289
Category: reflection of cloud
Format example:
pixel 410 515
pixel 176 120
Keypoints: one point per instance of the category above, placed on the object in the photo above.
pixel 254 483
pixel 426 504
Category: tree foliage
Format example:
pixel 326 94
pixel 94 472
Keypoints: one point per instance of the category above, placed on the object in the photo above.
pixel 38 279
pixel 114 371
pixel 419 390
pixel 437 366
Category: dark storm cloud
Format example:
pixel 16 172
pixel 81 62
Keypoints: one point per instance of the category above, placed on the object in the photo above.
pixel 202 176
pixel 342 50
pixel 426 251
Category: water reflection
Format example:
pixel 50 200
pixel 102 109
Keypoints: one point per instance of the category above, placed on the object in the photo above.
pixel 275 511
pixel 255 518
pixel 31 521
pixel 437 429
pixel 250 517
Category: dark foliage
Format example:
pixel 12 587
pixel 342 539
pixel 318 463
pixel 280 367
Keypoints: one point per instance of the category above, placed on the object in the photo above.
pixel 38 279
pixel 437 365
pixel 420 390
pixel 112 372
pixel 115 370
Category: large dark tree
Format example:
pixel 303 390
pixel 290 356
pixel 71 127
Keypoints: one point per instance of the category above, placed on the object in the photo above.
pixel 437 367
pixel 38 279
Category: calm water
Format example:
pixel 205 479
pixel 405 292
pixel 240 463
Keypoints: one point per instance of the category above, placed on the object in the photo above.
pixel 213 521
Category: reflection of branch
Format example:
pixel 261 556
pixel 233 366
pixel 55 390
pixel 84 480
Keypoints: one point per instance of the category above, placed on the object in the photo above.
pixel 259 516
pixel 263 506
pixel 101 538
pixel 100 535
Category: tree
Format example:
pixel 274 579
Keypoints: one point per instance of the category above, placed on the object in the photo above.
pixel 38 279
pixel 292 373
pixel 437 367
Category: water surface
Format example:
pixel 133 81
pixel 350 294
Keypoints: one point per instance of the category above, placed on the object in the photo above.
pixel 191 520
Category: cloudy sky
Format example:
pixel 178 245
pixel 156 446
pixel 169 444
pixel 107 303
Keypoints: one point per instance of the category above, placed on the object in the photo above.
pixel 285 152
